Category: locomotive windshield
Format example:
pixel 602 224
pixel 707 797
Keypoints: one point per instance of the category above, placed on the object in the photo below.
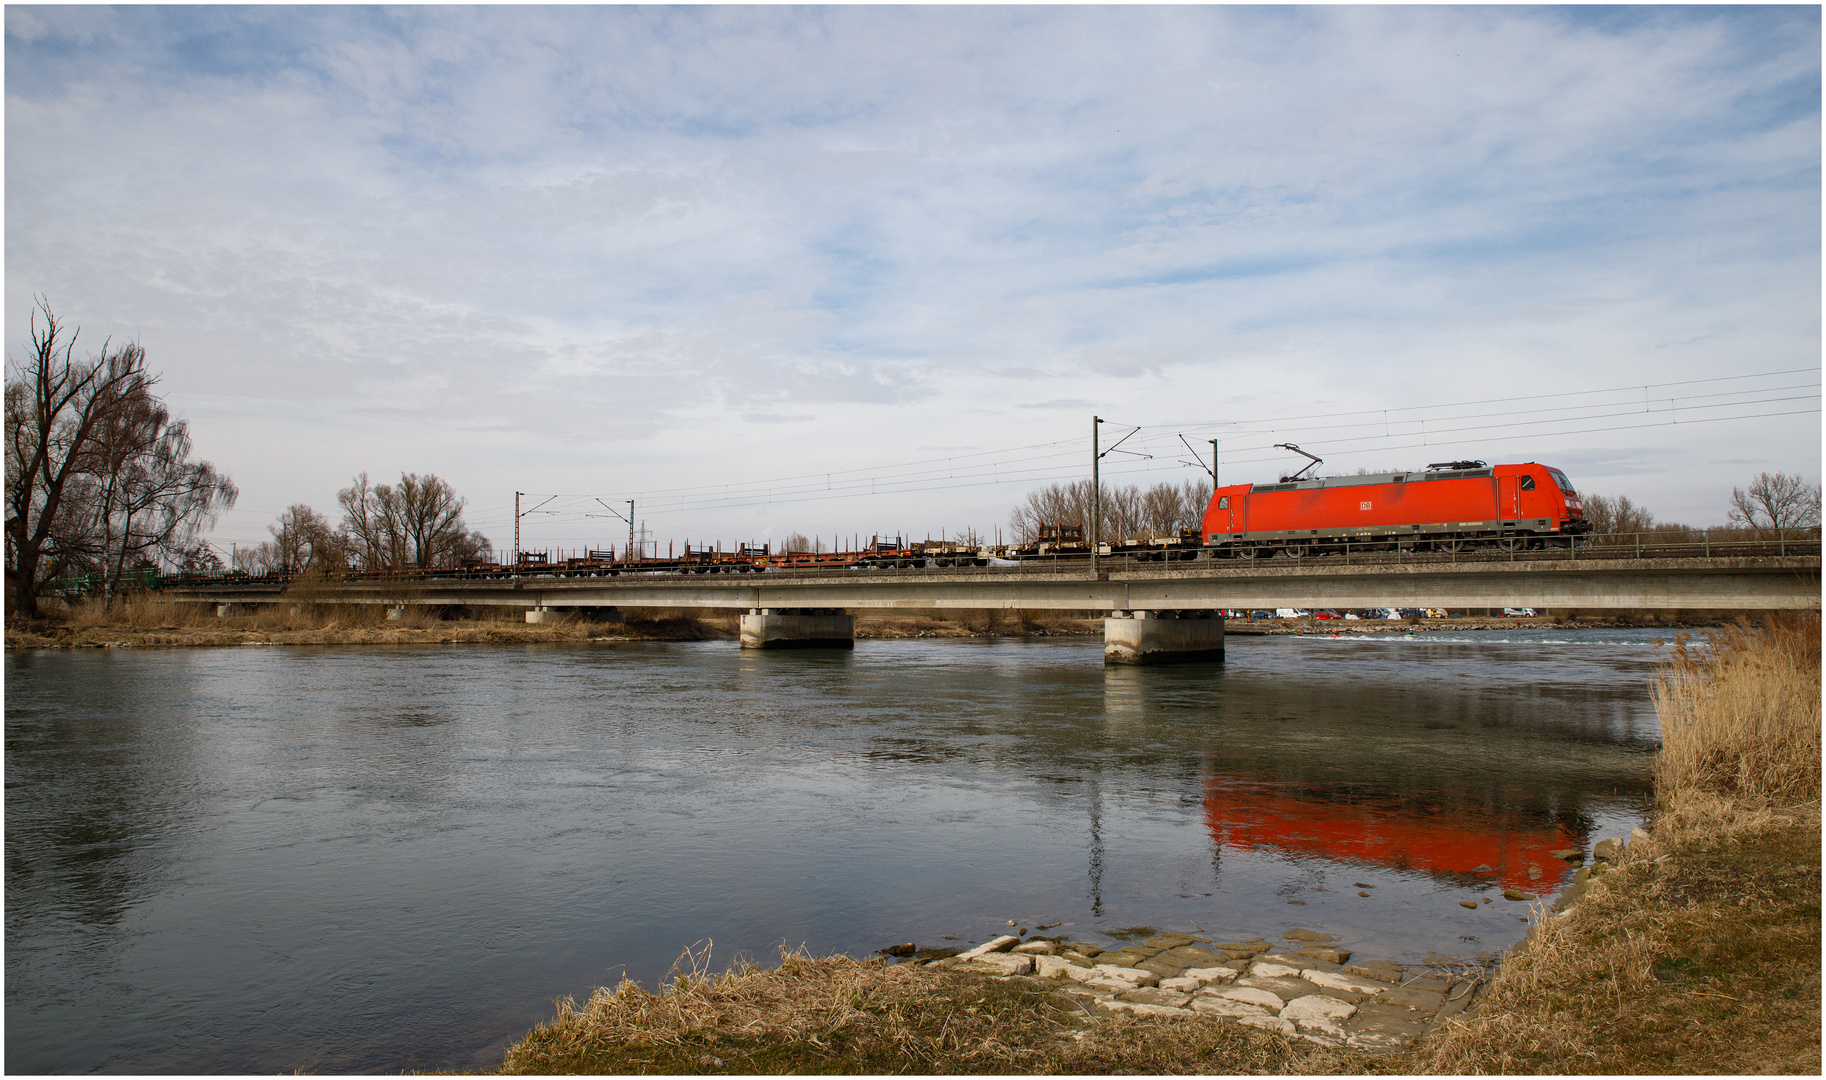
pixel 1560 479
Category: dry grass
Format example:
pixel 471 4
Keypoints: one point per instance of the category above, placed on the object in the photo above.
pixel 154 621
pixel 837 1015
pixel 1740 723
pixel 1701 953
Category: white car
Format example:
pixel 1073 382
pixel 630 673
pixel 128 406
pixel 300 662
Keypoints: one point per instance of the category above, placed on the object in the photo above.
pixel 1518 613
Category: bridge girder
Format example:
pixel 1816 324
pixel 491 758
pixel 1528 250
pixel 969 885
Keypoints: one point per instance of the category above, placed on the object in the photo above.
pixel 1764 583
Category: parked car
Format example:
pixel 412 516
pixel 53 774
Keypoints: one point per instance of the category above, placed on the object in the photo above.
pixel 1518 613
pixel 1261 614
pixel 1324 613
pixel 1291 613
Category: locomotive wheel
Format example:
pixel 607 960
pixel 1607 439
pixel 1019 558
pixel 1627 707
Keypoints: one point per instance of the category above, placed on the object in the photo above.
pixel 1295 551
pixel 1245 553
pixel 1512 544
pixel 1452 545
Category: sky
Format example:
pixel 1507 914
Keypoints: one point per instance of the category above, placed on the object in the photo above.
pixel 856 270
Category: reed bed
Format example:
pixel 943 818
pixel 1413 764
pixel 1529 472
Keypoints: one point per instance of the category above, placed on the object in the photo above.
pixel 1740 726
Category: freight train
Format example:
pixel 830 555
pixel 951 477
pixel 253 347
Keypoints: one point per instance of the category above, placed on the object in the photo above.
pixel 1449 507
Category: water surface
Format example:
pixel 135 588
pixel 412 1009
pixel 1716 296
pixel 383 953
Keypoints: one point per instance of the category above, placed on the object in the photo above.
pixel 266 859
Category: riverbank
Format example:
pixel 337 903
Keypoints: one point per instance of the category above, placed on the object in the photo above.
pixel 158 624
pixel 1695 947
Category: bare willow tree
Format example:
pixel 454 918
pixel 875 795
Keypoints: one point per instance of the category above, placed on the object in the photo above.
pixel 143 501
pixel 417 523
pixel 1776 502
pixel 54 406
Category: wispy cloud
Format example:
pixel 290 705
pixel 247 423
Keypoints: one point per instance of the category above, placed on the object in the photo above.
pixel 627 243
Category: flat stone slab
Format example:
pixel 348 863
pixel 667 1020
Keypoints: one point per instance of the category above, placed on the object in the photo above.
pixel 1262 969
pixel 1286 989
pixel 1000 963
pixel 1326 980
pixel 1144 1008
pixel 1385 972
pixel 1159 966
pixel 1326 956
pixel 1132 975
pixel 1319 1014
pixel 1167 941
pixel 1212 974
pixel 1318 936
pixel 1036 948
pixel 1183 985
pixel 1194 955
pixel 1217 1006
pixel 1413 998
pixel 1148 995
pixel 1001 944
pixel 1251 995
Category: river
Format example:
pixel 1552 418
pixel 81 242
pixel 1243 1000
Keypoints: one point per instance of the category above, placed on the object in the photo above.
pixel 262 859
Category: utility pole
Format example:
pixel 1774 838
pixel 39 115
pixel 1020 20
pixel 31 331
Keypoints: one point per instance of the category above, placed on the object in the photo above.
pixel 518 514
pixel 1096 495
pixel 1214 465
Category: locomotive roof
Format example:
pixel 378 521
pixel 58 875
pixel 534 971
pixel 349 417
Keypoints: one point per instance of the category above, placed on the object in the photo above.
pixel 1375 478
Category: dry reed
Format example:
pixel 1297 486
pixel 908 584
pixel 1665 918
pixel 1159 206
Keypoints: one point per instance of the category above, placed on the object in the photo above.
pixel 1740 723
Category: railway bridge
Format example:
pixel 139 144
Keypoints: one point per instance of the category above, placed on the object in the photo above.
pixel 1156 612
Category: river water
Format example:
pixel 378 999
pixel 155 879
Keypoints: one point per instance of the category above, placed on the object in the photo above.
pixel 263 859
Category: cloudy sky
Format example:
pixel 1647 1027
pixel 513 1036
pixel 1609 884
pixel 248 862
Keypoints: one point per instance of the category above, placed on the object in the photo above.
pixel 848 270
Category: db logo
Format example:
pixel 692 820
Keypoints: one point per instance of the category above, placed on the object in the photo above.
pixel 1364 505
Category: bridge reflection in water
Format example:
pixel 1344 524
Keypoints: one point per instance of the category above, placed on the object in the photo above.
pixel 1516 849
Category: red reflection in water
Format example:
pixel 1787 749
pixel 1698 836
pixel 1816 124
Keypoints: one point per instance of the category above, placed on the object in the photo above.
pixel 1244 816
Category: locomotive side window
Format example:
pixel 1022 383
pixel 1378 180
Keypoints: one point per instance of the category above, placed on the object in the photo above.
pixel 1223 503
pixel 1560 479
pixel 1527 483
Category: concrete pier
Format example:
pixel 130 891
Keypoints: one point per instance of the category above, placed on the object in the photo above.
pixel 1163 637
pixel 547 615
pixel 798 628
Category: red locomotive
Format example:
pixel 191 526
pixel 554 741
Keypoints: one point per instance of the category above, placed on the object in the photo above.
pixel 1449 507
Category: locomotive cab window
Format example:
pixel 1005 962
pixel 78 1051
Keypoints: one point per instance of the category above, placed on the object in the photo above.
pixel 1527 483
pixel 1223 503
pixel 1560 479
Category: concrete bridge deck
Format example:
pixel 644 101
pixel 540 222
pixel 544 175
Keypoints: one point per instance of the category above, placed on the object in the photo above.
pixel 1729 583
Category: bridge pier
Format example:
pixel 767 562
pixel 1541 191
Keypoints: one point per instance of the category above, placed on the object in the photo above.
pixel 547 615
pixel 1163 637
pixel 798 628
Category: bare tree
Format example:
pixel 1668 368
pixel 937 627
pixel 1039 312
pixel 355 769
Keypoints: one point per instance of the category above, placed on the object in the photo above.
pixel 799 542
pixel 1776 501
pixel 1129 513
pixel 54 404
pixel 150 502
pixel 415 523
pixel 1614 517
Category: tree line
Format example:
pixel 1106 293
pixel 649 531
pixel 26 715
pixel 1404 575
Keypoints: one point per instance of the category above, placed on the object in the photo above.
pixel 416 523
pixel 1128 513
pixel 100 485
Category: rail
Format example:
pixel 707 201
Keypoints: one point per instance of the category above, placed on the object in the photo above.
pixel 1659 545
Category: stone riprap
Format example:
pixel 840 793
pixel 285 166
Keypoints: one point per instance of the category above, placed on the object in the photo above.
pixel 1307 989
